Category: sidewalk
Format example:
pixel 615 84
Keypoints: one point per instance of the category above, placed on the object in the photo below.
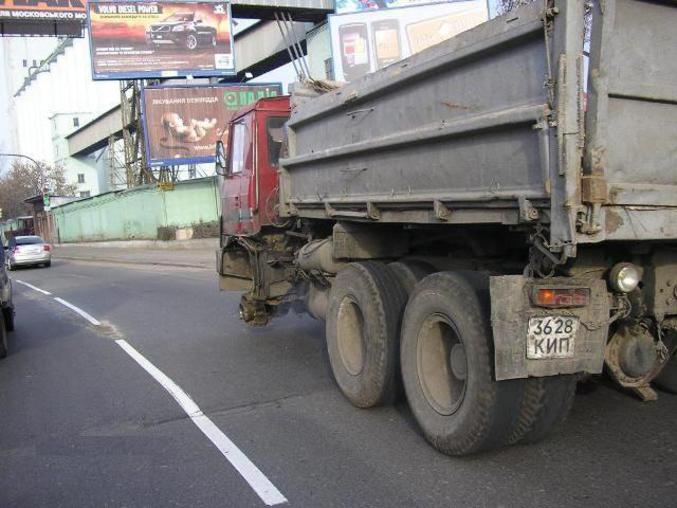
pixel 189 253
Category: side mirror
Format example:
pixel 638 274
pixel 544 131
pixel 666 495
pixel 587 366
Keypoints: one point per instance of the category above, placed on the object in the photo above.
pixel 221 159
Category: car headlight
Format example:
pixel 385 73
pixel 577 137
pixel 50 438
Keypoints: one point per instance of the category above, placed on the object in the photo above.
pixel 178 28
pixel 624 277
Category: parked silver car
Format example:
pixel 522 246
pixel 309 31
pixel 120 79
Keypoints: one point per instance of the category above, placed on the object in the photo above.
pixel 28 251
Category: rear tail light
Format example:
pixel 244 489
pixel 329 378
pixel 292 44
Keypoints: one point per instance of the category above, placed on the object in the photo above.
pixel 47 247
pixel 561 297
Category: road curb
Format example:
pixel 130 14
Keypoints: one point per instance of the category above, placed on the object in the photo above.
pixel 197 243
pixel 126 262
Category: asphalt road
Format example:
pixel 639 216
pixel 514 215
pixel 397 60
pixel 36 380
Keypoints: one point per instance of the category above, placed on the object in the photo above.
pixel 83 424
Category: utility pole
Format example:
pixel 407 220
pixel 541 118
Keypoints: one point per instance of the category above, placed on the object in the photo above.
pixel 136 167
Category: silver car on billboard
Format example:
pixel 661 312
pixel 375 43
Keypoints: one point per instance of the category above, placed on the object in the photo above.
pixel 27 251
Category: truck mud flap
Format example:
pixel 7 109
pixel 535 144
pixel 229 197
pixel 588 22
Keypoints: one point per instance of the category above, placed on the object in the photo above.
pixel 235 271
pixel 512 311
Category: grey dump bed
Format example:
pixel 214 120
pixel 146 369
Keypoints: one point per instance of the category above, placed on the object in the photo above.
pixel 491 127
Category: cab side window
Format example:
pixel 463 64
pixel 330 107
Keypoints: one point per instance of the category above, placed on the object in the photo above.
pixel 276 135
pixel 240 148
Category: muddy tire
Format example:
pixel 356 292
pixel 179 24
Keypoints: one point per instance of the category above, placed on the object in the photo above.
pixel 447 368
pixel 411 272
pixel 3 336
pixel 363 324
pixel 545 405
pixel 667 379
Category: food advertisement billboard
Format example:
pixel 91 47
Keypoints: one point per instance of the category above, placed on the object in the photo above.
pixel 141 39
pixel 33 17
pixel 367 41
pixel 183 123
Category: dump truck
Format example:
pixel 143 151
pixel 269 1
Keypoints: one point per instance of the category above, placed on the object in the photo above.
pixel 481 225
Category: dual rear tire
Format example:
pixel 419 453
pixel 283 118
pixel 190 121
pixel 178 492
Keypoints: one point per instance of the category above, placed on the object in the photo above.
pixel 363 322
pixel 667 379
pixel 383 320
pixel 447 368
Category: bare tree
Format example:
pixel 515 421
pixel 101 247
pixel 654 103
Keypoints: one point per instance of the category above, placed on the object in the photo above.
pixel 25 180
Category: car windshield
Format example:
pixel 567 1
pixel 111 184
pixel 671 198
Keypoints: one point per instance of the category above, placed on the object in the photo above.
pixel 180 17
pixel 28 240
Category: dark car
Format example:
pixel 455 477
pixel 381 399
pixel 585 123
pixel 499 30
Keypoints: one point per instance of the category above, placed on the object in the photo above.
pixel 6 304
pixel 181 29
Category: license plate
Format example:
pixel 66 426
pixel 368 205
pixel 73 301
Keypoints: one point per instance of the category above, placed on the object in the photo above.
pixel 157 37
pixel 551 337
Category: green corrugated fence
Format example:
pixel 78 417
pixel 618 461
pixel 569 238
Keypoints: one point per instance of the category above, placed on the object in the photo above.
pixel 142 213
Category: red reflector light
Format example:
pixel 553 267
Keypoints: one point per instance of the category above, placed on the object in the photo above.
pixel 560 297
pixel 47 247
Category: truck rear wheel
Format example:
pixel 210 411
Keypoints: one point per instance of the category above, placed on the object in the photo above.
pixel 363 324
pixel 546 403
pixel 667 379
pixel 447 368
pixel 411 272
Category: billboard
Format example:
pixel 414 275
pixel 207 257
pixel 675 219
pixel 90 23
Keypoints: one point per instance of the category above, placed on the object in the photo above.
pixel 183 123
pixel 301 10
pixel 367 41
pixel 142 39
pixel 35 17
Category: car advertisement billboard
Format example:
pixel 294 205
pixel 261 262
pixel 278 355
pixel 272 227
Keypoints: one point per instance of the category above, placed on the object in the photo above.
pixel 367 41
pixel 141 39
pixel 33 17
pixel 183 123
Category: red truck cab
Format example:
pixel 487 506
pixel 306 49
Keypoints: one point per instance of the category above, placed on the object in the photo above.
pixel 250 180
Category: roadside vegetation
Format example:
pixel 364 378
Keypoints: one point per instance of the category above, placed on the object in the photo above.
pixel 25 180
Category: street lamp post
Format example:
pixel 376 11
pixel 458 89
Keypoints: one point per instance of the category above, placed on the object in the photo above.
pixel 35 163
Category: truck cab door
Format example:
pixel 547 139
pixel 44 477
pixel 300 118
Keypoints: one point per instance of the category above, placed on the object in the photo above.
pixel 237 184
pixel 270 137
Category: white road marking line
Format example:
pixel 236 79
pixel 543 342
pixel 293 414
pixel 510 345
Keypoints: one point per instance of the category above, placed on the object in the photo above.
pixel 32 287
pixel 77 310
pixel 258 481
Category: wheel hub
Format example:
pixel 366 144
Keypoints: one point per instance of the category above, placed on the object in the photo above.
pixel 442 365
pixel 350 335
pixel 457 360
